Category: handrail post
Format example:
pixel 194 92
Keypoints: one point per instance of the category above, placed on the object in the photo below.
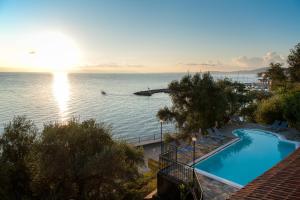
pixel 161 139
pixel 180 171
pixel 176 154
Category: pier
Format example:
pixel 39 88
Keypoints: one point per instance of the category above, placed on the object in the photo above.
pixel 150 92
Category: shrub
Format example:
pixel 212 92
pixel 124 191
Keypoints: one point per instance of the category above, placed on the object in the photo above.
pixel 291 110
pixel 199 101
pixel 73 160
pixel 15 146
pixel 249 112
pixel 270 110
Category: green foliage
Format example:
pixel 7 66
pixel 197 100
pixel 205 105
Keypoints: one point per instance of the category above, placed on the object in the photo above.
pixel 294 62
pixel 184 191
pixel 68 161
pixel 253 99
pixel 256 95
pixel 234 94
pixel 270 110
pixel 168 138
pixel 199 101
pixel 176 137
pixel 15 146
pixel 150 176
pixel 291 109
pixel 249 112
pixel 285 100
pixel 153 165
pixel 277 75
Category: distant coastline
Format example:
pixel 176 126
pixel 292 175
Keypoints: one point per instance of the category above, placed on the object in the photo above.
pixel 246 71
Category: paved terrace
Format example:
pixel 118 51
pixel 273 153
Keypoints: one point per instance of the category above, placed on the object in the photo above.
pixel 216 190
pixel 213 189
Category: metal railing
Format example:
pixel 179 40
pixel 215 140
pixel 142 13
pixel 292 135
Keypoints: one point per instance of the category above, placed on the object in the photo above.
pixel 140 139
pixel 198 192
pixel 179 171
pixel 170 166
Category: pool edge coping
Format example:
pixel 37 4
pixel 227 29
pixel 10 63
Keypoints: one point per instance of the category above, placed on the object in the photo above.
pixel 231 142
pixel 220 148
pixel 281 137
pixel 226 145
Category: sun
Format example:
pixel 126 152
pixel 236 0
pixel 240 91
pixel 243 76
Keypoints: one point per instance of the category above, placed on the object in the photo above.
pixel 53 51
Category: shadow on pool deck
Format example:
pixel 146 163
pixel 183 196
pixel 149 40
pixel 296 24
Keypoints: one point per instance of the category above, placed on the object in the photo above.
pixel 215 190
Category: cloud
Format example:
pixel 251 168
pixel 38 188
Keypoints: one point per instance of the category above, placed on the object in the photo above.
pixel 274 57
pixel 238 63
pixel 209 65
pixel 200 64
pixel 110 67
pixel 247 62
pixel 205 64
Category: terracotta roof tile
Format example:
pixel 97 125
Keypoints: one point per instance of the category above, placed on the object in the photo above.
pixel 281 182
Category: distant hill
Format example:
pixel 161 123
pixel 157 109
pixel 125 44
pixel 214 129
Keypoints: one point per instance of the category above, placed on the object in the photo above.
pixel 252 71
pixel 249 71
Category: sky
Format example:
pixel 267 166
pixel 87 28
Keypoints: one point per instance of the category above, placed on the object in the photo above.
pixel 146 35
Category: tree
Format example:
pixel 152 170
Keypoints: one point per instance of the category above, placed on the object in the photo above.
pixel 72 160
pixel 269 110
pixel 294 62
pixel 291 109
pixel 235 95
pixel 81 161
pixel 252 100
pixel 277 75
pixel 198 102
pixel 15 146
pixel 283 102
pixel 249 112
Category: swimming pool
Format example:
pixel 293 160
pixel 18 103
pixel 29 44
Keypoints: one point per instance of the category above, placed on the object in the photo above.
pixel 254 153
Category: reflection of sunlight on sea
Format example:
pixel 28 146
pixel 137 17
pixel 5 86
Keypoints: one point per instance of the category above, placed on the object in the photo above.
pixel 56 97
pixel 61 93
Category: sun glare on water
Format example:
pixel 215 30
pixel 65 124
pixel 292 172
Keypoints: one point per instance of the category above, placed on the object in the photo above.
pixel 53 52
pixel 61 92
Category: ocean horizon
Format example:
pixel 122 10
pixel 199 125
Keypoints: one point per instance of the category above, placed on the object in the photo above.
pixel 49 97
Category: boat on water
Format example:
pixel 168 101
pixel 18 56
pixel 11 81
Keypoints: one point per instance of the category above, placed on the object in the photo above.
pixel 103 92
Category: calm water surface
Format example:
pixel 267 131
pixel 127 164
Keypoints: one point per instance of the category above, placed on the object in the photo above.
pixel 57 97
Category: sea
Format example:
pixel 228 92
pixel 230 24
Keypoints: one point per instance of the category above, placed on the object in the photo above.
pixel 50 97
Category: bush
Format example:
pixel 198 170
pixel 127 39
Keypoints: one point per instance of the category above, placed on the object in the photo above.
pixel 270 110
pixel 291 110
pixel 199 101
pixel 67 161
pixel 16 143
pixel 249 112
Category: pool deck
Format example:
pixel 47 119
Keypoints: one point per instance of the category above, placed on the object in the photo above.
pixel 213 189
pixel 216 190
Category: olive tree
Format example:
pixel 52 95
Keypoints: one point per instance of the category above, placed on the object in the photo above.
pixel 16 144
pixel 71 160
pixel 199 101
pixel 294 63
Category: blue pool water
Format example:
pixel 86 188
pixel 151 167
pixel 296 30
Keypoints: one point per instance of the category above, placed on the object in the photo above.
pixel 255 152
